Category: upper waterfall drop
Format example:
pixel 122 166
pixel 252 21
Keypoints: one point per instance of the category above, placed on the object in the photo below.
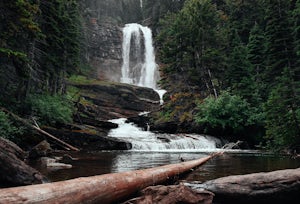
pixel 139 66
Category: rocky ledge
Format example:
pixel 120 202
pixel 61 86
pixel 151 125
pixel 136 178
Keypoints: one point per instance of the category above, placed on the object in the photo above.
pixel 97 102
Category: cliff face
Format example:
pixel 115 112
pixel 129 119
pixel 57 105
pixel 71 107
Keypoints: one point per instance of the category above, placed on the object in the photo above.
pixel 103 21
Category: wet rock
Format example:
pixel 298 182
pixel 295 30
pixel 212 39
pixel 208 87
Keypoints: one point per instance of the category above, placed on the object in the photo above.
pixel 89 139
pixel 54 164
pixel 172 194
pixel 236 145
pixel 40 150
pixel 13 170
pixel 166 127
pixel 67 159
pixel 115 100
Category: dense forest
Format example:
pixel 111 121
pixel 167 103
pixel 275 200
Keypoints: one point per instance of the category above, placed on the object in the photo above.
pixel 39 48
pixel 231 67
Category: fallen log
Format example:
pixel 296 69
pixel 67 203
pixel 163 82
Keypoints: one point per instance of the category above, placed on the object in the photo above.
pixel 271 187
pixel 36 127
pixel 105 188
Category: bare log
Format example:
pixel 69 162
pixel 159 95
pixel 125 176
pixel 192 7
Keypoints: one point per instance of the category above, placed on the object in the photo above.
pixel 64 144
pixel 271 187
pixel 105 188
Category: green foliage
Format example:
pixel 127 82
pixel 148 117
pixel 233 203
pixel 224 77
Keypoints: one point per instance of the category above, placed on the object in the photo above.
pixel 192 43
pixel 8 129
pixel 249 48
pixel 51 110
pixel 80 79
pixel 226 112
pixel 282 114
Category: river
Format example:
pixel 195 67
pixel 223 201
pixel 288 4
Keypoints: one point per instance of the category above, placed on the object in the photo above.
pixel 231 163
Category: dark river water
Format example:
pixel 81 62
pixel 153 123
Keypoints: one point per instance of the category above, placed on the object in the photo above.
pixel 230 163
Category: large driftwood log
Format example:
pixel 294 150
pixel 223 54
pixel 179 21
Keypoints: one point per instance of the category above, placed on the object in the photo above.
pixel 272 187
pixel 105 188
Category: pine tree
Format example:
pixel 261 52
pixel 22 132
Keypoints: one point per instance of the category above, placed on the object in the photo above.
pixel 282 107
pixel 19 31
pixel 193 44
pixel 60 23
pixel 256 57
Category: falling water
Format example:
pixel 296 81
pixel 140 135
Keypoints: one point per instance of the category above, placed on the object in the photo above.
pixel 139 67
pixel 148 141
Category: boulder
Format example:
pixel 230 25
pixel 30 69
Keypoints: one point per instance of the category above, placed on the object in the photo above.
pixel 40 150
pixel 13 170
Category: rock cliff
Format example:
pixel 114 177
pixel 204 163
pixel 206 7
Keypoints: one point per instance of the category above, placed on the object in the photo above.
pixel 103 21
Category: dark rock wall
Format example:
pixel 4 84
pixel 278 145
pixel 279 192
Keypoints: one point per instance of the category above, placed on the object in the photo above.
pixel 103 21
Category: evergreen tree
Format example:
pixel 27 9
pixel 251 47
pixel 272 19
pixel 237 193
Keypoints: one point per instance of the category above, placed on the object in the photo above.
pixel 256 57
pixel 238 73
pixel 19 31
pixel 60 22
pixel 282 107
pixel 192 42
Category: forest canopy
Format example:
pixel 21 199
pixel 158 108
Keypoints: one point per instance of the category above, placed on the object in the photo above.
pixel 242 57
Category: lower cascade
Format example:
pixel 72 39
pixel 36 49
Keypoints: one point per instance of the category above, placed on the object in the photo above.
pixel 148 141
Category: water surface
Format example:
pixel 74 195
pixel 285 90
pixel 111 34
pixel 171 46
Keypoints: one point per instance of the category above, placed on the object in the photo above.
pixel 231 163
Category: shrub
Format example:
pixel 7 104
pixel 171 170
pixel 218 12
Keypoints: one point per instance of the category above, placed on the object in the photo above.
pixel 226 112
pixel 51 109
pixel 7 128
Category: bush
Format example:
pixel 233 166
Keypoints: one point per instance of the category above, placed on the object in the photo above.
pixel 227 112
pixel 51 110
pixel 7 128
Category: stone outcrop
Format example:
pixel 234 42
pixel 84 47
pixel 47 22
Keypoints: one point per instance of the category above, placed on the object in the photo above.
pixel 115 100
pixel 13 170
pixel 88 138
pixel 102 29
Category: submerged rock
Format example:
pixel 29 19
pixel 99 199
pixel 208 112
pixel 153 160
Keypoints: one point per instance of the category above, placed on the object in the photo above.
pixel 54 164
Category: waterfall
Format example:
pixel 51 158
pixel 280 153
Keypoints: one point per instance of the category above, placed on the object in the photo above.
pixel 141 3
pixel 139 66
pixel 148 141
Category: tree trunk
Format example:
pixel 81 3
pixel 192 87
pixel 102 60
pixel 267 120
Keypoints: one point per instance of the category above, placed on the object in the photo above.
pixel 272 187
pixel 105 188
